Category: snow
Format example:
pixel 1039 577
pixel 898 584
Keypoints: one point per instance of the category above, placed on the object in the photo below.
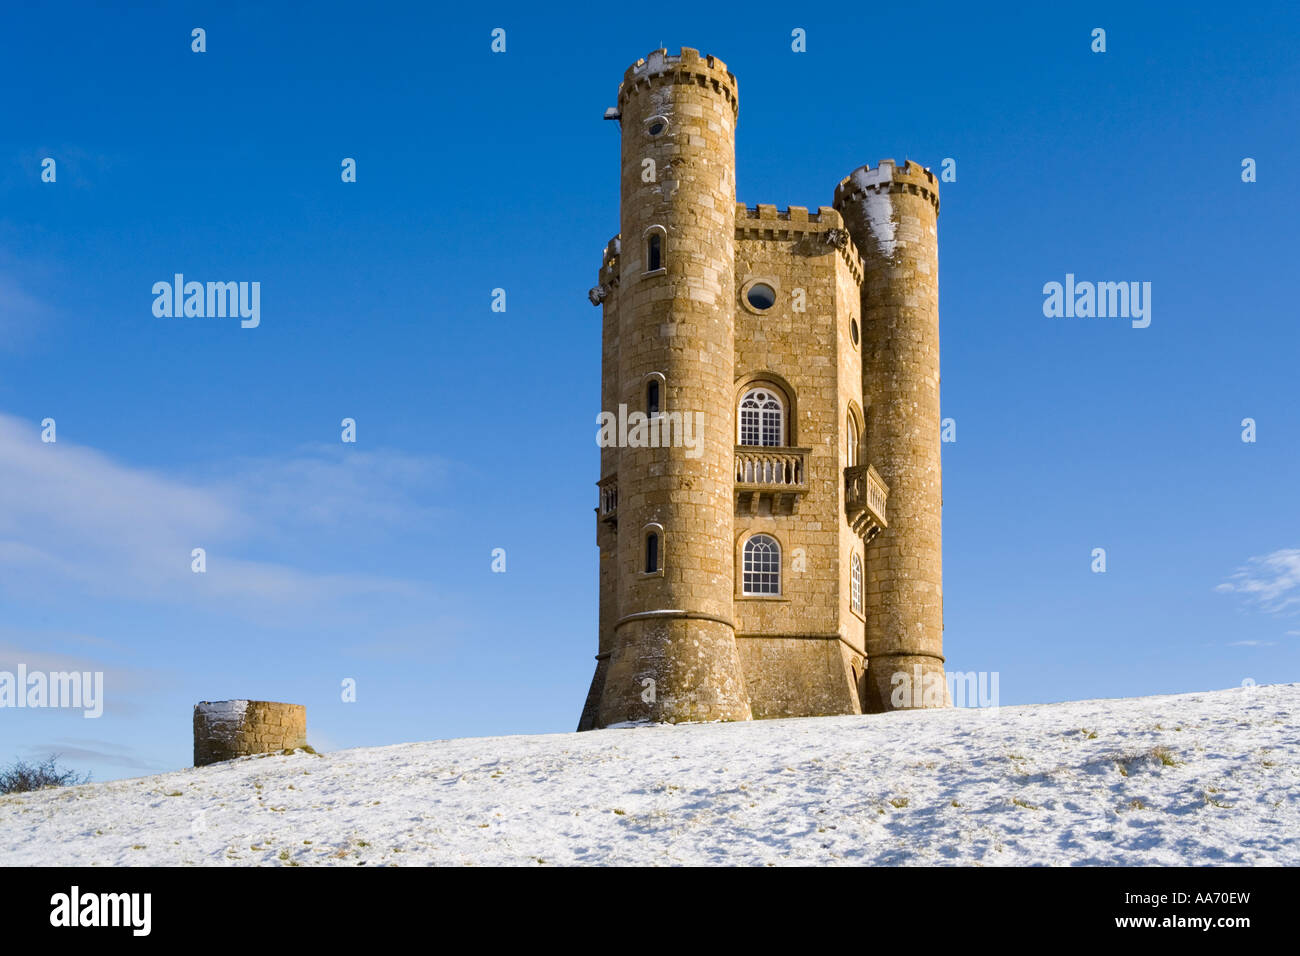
pixel 225 713
pixel 880 216
pixel 876 204
pixel 656 62
pixel 1205 778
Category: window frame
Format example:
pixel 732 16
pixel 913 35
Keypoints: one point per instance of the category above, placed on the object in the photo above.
pixel 762 425
pixel 752 281
pixel 747 568
pixel 857 582
pixel 656 530
pixel 651 233
pixel 855 435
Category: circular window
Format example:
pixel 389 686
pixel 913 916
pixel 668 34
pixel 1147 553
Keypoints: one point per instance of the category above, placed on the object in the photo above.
pixel 761 296
pixel 656 125
pixel 853 330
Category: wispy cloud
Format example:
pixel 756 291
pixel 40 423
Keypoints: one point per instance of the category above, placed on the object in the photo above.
pixel 1252 643
pixel 329 488
pixel 73 520
pixel 75 166
pixel 124 683
pixel 1270 582
pixel 73 750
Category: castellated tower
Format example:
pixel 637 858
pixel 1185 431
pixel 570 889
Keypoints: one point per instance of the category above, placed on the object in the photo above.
pixel 892 214
pixel 668 642
pixel 769 500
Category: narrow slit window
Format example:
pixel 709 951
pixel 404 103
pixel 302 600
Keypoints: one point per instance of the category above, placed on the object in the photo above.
pixel 652 553
pixel 652 398
pixel 654 252
pixel 855 583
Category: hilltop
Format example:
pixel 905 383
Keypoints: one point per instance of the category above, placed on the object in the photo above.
pixel 1204 778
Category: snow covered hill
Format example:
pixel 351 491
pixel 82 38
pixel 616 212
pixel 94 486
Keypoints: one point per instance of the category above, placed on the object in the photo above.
pixel 1189 779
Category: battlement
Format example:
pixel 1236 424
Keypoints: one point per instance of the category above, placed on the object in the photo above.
pixel 888 176
pixel 765 221
pixel 659 68
pixel 825 217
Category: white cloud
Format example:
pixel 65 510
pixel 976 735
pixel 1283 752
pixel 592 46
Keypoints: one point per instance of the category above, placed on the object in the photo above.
pixel 73 750
pixel 125 683
pixel 1271 581
pixel 76 523
pixel 333 487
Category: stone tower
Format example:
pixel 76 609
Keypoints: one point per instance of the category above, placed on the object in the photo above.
pixel 767 377
pixel 892 213
pixel 668 645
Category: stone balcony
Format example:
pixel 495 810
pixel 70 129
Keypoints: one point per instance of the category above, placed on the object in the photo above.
pixel 770 480
pixel 865 496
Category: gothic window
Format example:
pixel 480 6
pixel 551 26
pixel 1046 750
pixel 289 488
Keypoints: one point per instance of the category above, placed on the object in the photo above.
pixel 762 418
pixel 762 565
pixel 855 583
pixel 851 442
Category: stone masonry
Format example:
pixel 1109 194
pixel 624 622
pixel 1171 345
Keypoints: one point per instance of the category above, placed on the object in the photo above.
pixel 226 729
pixel 788 563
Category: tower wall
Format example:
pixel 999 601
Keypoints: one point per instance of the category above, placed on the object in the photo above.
pixel 795 646
pixel 675 627
pixel 606 292
pixel 226 729
pixel 891 212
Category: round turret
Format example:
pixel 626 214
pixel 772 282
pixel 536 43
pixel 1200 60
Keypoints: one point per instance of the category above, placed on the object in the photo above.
pixel 891 212
pixel 673 655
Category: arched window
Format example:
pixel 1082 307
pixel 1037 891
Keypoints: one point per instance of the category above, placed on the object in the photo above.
pixel 855 583
pixel 762 418
pixel 653 547
pixel 652 397
pixel 654 252
pixel 851 442
pixel 762 566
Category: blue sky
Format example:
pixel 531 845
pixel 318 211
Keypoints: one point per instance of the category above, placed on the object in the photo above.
pixel 476 429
